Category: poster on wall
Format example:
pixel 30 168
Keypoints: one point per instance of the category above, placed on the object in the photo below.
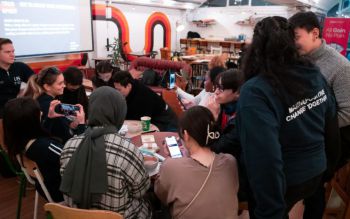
pixel 336 33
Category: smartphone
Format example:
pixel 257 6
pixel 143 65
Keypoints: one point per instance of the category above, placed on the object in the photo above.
pixel 173 147
pixel 171 80
pixel 66 109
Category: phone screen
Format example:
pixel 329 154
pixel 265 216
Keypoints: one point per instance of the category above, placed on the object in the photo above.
pixel 171 80
pixel 174 149
pixel 67 109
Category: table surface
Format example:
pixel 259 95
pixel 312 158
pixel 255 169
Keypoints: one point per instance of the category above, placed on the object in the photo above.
pixel 135 128
pixel 159 140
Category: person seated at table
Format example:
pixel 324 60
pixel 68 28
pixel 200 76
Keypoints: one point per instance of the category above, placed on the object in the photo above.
pixel 142 101
pixel 74 91
pixel 51 83
pixel 188 100
pixel 205 184
pixel 25 136
pixel 101 153
pixel 223 106
pixel 103 74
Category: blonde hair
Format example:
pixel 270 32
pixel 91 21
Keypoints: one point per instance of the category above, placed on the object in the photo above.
pixel 217 61
pixel 33 89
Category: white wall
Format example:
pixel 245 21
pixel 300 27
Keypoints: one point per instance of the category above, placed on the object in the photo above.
pixel 137 17
pixel 227 17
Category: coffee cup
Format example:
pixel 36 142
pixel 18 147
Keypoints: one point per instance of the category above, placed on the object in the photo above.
pixel 146 123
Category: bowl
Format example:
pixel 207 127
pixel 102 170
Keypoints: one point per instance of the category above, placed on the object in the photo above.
pixel 150 162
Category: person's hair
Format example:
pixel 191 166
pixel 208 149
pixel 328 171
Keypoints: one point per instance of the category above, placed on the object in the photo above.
pixel 305 20
pixel 230 79
pixel 216 61
pixel 4 41
pixel 214 72
pixel 196 121
pixel 21 124
pixel 273 54
pixel 123 78
pixel 33 90
pixel 48 76
pixel 103 67
pixel 73 76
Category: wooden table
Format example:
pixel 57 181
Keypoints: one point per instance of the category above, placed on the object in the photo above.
pixel 159 138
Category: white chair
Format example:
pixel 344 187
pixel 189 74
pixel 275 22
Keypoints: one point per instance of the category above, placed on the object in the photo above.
pixel 216 50
pixel 30 170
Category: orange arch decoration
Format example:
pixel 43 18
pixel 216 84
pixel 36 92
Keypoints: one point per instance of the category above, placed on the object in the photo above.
pixel 99 13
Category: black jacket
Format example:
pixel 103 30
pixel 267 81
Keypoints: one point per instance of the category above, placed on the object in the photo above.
pixel 142 101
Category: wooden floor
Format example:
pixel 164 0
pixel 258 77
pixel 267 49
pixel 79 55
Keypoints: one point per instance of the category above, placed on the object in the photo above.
pixel 9 188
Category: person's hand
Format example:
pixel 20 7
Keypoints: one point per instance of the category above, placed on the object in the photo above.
pixel 52 114
pixel 213 106
pixel 187 103
pixel 79 117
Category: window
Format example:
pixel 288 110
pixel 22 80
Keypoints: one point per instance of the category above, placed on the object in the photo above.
pixel 238 2
pixel 261 3
pixel 215 3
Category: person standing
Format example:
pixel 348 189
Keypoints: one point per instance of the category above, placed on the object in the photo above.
pixel 286 119
pixel 336 69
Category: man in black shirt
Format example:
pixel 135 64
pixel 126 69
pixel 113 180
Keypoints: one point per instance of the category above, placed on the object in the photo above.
pixel 142 101
pixel 12 74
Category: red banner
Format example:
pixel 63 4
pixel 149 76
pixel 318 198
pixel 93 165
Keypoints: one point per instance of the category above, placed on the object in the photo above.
pixel 336 33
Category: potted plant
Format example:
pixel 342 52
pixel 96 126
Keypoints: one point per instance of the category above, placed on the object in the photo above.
pixel 116 48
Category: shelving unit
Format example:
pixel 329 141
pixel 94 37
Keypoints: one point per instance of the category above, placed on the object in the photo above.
pixel 204 22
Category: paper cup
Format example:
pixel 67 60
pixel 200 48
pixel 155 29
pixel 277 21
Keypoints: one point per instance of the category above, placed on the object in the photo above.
pixel 146 123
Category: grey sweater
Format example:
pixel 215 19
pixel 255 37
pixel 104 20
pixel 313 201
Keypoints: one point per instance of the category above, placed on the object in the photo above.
pixel 336 69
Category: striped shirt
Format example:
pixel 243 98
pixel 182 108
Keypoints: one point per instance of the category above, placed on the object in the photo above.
pixel 128 179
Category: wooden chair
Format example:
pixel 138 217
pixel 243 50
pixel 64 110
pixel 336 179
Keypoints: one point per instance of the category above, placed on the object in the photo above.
pixel 341 185
pixel 165 53
pixel 57 211
pixel 30 170
pixel 183 45
pixel 170 98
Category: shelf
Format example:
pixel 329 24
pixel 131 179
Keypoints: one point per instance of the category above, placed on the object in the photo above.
pixel 204 22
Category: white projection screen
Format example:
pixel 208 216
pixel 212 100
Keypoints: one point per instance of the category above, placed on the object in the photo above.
pixel 47 27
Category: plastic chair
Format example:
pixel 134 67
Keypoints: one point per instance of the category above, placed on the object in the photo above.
pixel 341 185
pixel 30 170
pixel 57 211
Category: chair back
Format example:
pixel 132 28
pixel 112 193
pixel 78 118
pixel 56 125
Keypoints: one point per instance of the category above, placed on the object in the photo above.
pixel 59 211
pixel 170 98
pixel 31 170
pixel 341 185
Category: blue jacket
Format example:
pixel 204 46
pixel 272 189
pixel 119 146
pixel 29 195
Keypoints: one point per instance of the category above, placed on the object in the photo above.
pixel 283 141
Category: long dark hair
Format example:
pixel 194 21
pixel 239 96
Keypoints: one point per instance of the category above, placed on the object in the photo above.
pixel 196 121
pixel 21 124
pixel 273 54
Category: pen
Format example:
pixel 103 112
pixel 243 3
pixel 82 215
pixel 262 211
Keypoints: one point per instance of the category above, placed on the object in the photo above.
pixel 150 131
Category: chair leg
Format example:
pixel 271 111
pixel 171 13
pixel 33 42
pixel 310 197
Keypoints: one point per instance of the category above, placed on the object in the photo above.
pixel 35 216
pixel 20 195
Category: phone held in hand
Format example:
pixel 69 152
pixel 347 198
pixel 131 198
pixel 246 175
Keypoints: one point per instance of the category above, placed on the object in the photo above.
pixel 66 109
pixel 172 78
pixel 173 147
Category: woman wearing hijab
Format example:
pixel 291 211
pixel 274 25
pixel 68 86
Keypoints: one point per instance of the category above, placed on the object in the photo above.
pixel 101 153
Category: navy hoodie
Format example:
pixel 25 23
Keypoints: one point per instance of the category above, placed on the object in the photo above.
pixel 284 144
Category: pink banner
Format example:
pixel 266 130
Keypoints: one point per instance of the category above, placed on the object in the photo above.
pixel 336 33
